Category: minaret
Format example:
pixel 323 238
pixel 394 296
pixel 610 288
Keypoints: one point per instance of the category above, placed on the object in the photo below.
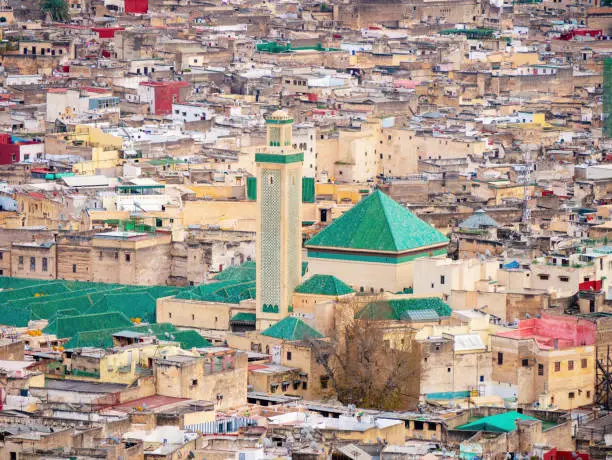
pixel 279 221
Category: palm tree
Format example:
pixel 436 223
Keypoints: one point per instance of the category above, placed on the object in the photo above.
pixel 58 9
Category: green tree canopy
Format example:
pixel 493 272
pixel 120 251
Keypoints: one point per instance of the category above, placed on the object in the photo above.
pixel 58 9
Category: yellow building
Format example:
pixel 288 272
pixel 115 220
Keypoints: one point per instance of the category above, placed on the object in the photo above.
pixel 123 365
pixel 548 361
pixel 105 149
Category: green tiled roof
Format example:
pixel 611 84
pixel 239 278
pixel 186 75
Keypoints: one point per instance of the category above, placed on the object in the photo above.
pixel 244 317
pixel 480 219
pixel 378 223
pixel 324 285
pixel 291 328
pixel 399 309
pixel 68 326
pixel 500 423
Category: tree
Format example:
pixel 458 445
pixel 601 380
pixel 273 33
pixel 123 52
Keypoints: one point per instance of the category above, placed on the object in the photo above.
pixel 58 9
pixel 372 364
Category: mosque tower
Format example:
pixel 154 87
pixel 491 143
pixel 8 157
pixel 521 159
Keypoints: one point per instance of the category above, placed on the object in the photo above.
pixel 279 216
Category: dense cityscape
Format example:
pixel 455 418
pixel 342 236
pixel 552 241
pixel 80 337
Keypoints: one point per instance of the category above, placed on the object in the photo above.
pixel 361 229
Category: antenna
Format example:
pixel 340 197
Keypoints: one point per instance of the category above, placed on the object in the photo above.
pixel 525 178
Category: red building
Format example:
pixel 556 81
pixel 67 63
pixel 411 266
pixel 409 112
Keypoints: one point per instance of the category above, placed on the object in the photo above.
pixel 15 150
pixel 136 6
pixel 106 32
pixel 160 95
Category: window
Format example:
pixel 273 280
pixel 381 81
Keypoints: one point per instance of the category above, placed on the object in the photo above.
pixel 525 362
pixel 116 255
pixel 570 365
pixel 44 264
pixel 583 363
pixel 442 279
pixel 448 369
pixel 571 395
pixel 304 385
pixel 540 369
pixel 192 317
pixel 288 356
pixel 169 315
pixel 324 381
pixel 482 378
pixel 565 279
pixel 20 260
pixel 127 257
pixel 543 277
pixel 100 255
pixel 500 359
pixel 74 268
pixel 1 255
pixel 32 264
pixel 557 366
pixel 589 394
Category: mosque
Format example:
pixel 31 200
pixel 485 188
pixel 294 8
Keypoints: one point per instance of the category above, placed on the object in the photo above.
pixel 370 248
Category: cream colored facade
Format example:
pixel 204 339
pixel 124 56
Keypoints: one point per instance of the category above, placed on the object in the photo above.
pixel 371 277
pixel 443 275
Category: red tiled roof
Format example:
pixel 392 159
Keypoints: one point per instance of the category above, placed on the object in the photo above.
pixel 91 89
pixel 256 367
pixel 150 402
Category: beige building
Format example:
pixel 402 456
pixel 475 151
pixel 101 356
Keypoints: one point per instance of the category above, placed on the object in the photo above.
pixel 131 258
pixel 33 260
pixel 373 246
pixel 219 375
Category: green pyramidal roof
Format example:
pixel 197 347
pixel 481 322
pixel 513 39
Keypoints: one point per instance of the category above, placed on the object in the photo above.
pixel 291 328
pixel 324 285
pixel 377 223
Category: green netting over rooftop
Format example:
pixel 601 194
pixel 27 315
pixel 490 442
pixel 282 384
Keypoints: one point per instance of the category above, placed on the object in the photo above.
pixel 163 331
pixel 232 285
pixel 24 300
pixel 402 309
pixel 68 326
